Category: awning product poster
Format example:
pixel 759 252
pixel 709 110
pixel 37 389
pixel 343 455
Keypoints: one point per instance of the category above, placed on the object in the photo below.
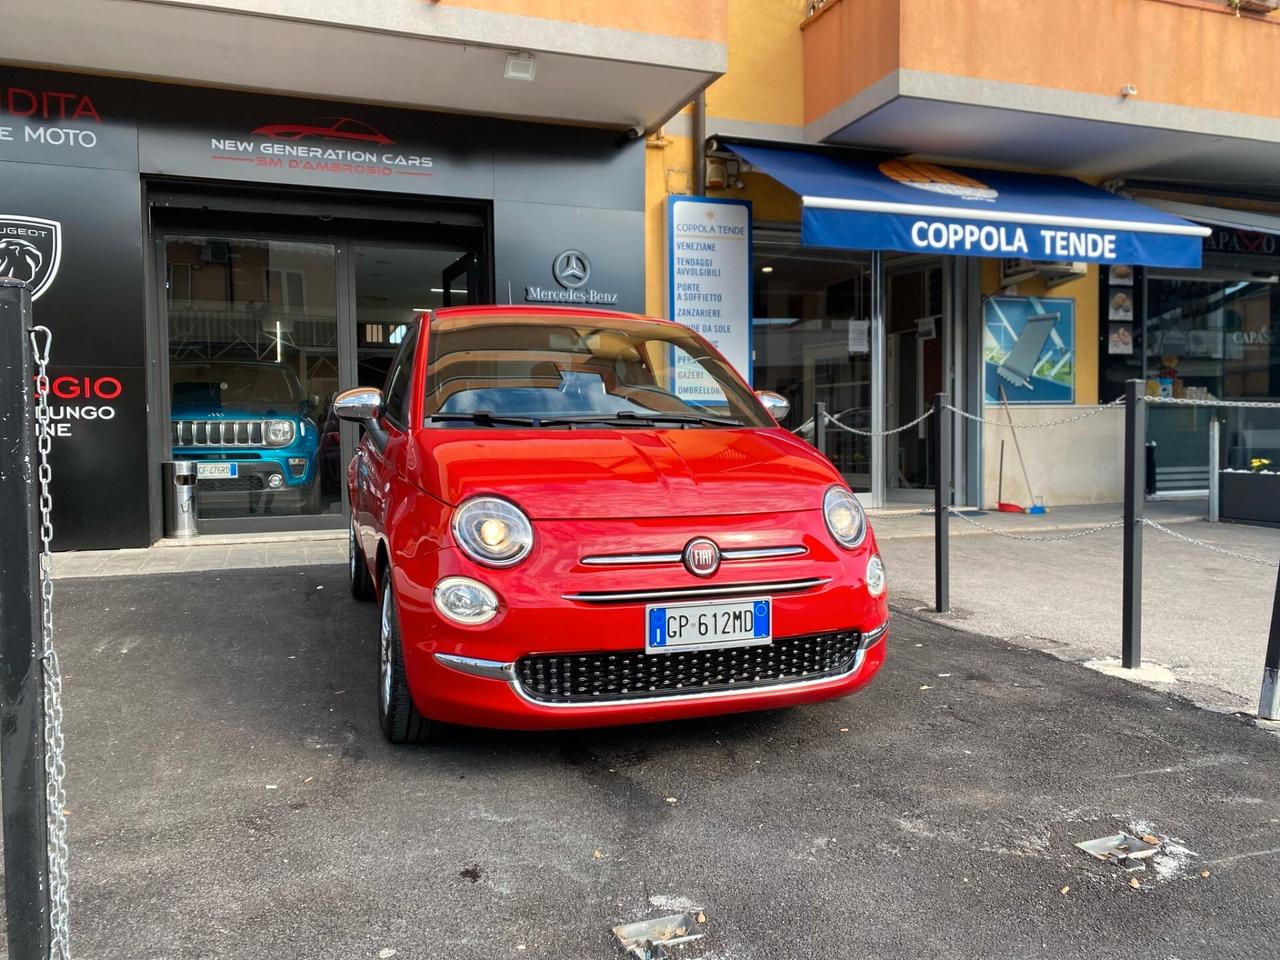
pixel 1028 349
pixel 921 207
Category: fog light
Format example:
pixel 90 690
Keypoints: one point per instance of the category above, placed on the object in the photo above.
pixel 275 481
pixel 465 601
pixel 297 466
pixel 875 575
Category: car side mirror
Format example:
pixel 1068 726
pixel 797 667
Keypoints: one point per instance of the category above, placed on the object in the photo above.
pixel 358 405
pixel 777 405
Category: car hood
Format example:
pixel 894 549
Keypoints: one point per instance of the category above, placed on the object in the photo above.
pixel 601 474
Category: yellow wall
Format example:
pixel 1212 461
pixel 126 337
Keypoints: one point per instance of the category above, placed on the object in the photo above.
pixel 765 84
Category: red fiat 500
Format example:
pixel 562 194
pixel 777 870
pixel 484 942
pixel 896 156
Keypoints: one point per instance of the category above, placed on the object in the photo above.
pixel 576 518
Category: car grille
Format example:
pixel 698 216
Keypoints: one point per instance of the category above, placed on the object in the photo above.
pixel 218 433
pixel 231 484
pixel 636 675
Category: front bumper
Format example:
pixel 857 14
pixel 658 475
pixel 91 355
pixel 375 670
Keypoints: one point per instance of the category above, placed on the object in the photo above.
pixel 530 711
pixel 470 674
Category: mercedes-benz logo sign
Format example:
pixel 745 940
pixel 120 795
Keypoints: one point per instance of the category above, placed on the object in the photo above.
pixel 571 269
pixel 701 557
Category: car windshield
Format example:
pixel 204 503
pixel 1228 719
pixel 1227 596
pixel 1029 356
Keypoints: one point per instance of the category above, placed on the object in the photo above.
pixel 568 370
pixel 235 384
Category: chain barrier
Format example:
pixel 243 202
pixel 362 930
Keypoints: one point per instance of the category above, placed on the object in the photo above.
pixel 55 763
pixel 803 427
pixel 1035 426
pixel 1209 546
pixel 1033 538
pixel 883 433
pixel 1189 402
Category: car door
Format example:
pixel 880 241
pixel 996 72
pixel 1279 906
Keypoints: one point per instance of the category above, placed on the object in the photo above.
pixel 383 447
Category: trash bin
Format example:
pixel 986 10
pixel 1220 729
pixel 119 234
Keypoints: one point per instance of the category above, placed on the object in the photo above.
pixel 180 518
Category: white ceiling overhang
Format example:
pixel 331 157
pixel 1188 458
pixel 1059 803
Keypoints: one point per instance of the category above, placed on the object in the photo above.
pixel 408 53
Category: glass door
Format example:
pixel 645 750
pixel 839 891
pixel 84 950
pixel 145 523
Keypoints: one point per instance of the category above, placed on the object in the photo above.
pixel 914 371
pixel 812 341
pixel 253 355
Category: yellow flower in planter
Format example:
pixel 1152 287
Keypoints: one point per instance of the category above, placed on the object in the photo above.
pixel 1259 463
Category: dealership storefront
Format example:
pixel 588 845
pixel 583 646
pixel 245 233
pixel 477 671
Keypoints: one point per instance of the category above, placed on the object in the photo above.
pixel 215 266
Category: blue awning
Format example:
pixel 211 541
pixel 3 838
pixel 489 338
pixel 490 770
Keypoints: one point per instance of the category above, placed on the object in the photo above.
pixel 930 208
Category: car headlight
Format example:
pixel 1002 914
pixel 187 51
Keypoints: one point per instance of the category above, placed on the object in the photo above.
pixel 845 519
pixel 493 531
pixel 465 601
pixel 279 432
pixel 875 575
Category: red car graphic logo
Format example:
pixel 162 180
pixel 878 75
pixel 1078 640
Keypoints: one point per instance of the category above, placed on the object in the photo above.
pixel 326 128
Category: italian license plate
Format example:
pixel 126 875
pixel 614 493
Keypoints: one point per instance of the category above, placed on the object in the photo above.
pixel 217 471
pixel 706 626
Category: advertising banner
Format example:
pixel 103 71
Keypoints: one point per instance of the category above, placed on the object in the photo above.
pixel 1029 349
pixel 709 284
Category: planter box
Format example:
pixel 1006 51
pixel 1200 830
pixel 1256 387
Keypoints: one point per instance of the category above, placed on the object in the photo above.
pixel 1250 498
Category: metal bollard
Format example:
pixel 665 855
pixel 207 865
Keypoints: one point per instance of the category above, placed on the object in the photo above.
pixel 1215 467
pixel 820 426
pixel 941 505
pixel 1269 702
pixel 180 516
pixel 1135 461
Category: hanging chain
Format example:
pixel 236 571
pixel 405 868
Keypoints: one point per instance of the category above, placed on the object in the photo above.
pixel 55 764
pixel 1209 546
pixel 883 433
pixel 1189 402
pixel 1119 402
pixel 1074 535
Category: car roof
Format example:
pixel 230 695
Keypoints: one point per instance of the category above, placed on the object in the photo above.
pixel 512 311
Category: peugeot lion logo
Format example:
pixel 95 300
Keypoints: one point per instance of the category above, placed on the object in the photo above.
pixel 30 249
pixel 571 269
pixel 701 557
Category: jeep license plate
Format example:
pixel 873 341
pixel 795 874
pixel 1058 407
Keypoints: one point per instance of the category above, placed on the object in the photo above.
pixel 707 626
pixel 217 471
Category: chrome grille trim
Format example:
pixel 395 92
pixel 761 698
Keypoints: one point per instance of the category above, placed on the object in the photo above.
pixel 682 593
pixel 763 553
pixel 728 556
pixel 219 433
pixel 628 559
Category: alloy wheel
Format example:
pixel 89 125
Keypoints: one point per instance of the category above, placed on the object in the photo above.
pixel 384 654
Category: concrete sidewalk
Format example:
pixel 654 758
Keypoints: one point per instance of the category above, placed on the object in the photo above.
pixel 230 796
pixel 1206 616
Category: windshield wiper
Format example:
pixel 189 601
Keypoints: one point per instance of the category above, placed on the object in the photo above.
pixel 632 417
pixel 484 418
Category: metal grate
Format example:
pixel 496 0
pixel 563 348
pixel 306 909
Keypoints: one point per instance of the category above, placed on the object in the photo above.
pixel 218 433
pixel 635 675
pixel 248 484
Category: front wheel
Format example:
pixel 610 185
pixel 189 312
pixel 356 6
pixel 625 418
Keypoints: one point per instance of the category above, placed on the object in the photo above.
pixel 399 718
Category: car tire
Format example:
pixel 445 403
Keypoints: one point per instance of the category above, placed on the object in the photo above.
pixel 361 582
pixel 399 718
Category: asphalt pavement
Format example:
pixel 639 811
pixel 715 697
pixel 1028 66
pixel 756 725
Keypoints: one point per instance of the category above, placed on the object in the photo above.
pixel 230 796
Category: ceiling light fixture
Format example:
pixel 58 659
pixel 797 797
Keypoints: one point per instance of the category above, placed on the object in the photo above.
pixel 520 66
pixel 766 269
